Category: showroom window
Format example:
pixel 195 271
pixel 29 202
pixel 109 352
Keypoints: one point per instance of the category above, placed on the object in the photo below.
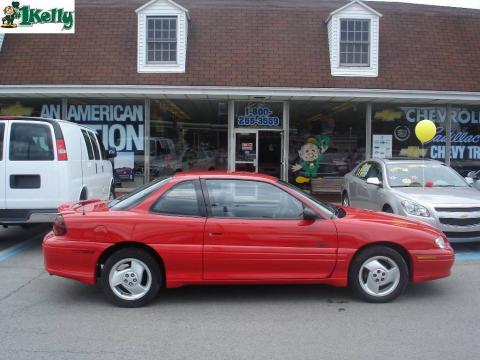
pixel 187 135
pixel 326 140
pixel 393 131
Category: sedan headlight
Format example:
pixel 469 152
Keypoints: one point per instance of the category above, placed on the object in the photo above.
pixel 415 209
pixel 441 243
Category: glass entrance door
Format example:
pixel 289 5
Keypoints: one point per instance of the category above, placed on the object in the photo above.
pixel 246 151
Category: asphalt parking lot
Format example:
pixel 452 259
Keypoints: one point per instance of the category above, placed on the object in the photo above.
pixel 45 317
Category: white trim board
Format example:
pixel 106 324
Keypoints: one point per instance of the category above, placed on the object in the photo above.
pixel 259 93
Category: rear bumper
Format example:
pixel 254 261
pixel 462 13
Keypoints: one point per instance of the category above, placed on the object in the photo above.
pixel 72 259
pixel 27 216
pixel 432 264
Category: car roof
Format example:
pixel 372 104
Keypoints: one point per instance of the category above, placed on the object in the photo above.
pixel 396 160
pixel 219 174
pixel 49 120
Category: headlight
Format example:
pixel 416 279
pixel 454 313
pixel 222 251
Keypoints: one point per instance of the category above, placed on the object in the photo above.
pixel 441 243
pixel 415 209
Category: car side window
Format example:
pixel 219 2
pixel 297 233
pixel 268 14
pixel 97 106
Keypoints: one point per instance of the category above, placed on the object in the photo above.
pixel 88 144
pixel 181 199
pixel 2 134
pixel 96 150
pixel 375 171
pixel 251 199
pixel 31 142
pixel 363 170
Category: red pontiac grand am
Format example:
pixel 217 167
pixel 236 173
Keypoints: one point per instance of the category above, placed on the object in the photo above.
pixel 238 228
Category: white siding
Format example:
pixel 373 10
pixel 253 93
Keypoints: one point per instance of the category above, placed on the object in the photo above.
pixel 353 11
pixel 162 8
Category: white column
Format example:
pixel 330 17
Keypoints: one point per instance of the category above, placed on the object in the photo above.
pixel 231 135
pixel 368 132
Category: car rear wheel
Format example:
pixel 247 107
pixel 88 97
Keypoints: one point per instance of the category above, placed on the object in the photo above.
pixel 345 200
pixel 131 277
pixel 378 274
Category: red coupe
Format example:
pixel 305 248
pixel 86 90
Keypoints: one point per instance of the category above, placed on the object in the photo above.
pixel 238 228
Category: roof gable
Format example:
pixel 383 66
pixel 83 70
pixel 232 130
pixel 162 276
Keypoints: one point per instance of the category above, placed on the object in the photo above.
pixel 170 3
pixel 355 3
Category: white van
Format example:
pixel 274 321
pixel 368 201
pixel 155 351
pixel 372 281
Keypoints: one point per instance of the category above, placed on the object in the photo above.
pixel 45 163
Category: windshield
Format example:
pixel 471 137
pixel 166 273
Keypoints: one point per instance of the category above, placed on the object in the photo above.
pixel 133 198
pixel 324 206
pixel 423 175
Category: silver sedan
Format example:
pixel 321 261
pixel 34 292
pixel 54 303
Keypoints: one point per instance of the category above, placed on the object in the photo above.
pixel 425 190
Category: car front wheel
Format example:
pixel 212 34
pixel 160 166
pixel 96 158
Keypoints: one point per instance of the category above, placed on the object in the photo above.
pixel 378 274
pixel 131 277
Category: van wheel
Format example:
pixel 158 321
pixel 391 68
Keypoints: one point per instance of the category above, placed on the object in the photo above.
pixel 111 195
pixel 378 274
pixel 131 278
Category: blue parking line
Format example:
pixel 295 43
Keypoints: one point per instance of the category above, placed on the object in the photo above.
pixel 5 254
pixel 465 256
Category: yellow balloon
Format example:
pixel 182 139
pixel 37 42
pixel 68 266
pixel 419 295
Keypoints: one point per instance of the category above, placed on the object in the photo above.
pixel 425 130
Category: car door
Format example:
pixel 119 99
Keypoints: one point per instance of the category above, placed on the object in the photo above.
pixel 376 193
pixel 256 231
pixel 31 167
pixel 88 167
pixel 101 172
pixel 2 165
pixel 174 227
pixel 358 188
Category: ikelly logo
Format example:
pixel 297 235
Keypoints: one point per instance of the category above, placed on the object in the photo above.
pixel 40 16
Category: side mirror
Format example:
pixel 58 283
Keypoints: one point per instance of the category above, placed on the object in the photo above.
pixel 469 180
pixel 374 181
pixel 472 175
pixel 309 214
pixel 112 153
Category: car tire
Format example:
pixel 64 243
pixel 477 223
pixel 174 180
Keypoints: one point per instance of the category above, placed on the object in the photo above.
pixel 111 194
pixel 388 209
pixel 131 278
pixel 378 274
pixel 345 199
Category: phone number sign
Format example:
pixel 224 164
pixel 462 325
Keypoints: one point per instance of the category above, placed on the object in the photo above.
pixel 258 115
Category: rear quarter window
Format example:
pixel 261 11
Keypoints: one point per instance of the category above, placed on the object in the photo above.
pixel 31 142
pixel 2 134
pixel 88 144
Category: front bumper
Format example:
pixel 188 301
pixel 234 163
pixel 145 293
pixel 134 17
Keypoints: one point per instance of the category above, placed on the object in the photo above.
pixel 432 264
pixel 72 259
pixel 455 234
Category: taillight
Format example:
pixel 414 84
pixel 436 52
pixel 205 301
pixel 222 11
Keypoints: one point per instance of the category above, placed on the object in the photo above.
pixel 61 150
pixel 59 227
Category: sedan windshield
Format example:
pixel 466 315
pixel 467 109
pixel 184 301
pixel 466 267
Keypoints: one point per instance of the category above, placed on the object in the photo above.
pixel 135 197
pixel 423 175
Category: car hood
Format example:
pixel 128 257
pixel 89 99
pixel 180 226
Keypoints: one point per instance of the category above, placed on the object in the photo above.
pixel 372 217
pixel 463 196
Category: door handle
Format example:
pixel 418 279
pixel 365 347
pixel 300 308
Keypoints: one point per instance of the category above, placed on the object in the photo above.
pixel 215 234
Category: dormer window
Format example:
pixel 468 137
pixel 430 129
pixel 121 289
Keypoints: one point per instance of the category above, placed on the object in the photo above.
pixel 161 39
pixel 354 42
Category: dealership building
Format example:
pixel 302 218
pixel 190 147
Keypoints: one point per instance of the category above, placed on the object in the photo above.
pixel 250 85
